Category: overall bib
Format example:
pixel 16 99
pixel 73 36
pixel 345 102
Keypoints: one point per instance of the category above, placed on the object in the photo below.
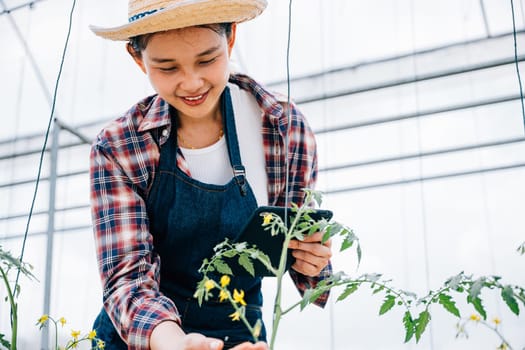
pixel 187 219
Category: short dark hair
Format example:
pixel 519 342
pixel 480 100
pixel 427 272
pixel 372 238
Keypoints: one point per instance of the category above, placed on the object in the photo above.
pixel 140 42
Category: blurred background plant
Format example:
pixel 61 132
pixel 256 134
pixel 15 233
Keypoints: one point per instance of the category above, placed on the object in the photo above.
pixel 8 265
pixel 76 335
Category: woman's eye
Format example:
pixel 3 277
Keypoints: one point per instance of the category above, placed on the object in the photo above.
pixel 208 61
pixel 168 69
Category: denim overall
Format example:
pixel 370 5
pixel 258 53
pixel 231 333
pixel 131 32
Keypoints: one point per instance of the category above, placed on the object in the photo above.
pixel 187 219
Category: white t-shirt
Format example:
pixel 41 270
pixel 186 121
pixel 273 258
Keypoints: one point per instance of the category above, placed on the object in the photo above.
pixel 212 164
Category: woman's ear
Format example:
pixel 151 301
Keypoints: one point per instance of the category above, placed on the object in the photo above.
pixel 231 38
pixel 137 57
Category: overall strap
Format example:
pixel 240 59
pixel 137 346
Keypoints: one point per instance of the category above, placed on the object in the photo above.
pixel 228 117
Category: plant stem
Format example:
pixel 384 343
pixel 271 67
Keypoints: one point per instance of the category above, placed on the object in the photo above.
pixel 14 312
pixel 495 329
pixel 277 310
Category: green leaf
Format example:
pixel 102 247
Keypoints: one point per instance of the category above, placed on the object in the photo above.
pixel 230 253
pixel 222 267
pixel 508 295
pixel 475 289
pixel 4 342
pixel 378 289
pixel 306 298
pixel 317 197
pixel 326 235
pixel 449 304
pixel 245 262
pixel 349 290
pixel 388 304
pixel 455 281
pixel 477 302
pixel 359 253
pixel 409 324
pixel 421 324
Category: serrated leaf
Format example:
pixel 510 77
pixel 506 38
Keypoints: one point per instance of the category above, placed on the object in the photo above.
pixel 475 289
pixel 306 298
pixel 347 243
pixel 245 262
pixel 454 281
pixel 388 304
pixel 359 254
pixel 317 197
pixel 222 267
pixel 378 289
pixel 478 305
pixel 421 324
pixel 326 236
pixel 449 304
pixel 508 296
pixel 349 290
pixel 5 342
pixel 230 253
pixel 408 322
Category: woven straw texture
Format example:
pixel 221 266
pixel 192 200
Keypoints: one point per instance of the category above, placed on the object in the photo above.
pixel 180 14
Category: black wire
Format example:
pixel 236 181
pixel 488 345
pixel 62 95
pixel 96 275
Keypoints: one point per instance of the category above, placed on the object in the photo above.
pixel 516 61
pixel 42 152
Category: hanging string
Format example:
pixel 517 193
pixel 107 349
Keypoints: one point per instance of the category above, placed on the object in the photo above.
pixel 42 152
pixel 420 165
pixel 288 110
pixel 516 61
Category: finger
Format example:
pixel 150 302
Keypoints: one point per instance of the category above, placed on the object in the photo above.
pixel 317 261
pixel 316 249
pixel 305 268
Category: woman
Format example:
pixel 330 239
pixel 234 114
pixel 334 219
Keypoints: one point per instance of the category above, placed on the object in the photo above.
pixel 185 168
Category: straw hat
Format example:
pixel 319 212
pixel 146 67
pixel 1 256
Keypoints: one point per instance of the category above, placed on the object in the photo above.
pixel 150 16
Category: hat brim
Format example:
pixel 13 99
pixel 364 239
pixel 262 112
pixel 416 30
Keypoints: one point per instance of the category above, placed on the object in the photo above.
pixel 185 14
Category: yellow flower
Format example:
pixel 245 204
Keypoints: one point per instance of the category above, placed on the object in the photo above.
pixel 267 219
pixel 225 280
pixel 43 319
pixel 223 295
pixel 75 334
pixel 100 344
pixel 209 284
pixel 475 317
pixel 496 321
pixel 238 297
pixel 236 316
pixel 62 321
pixel 92 335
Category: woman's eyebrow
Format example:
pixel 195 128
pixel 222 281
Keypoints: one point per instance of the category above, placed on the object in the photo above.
pixel 171 60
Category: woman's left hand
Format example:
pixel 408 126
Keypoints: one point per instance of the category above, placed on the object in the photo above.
pixel 310 255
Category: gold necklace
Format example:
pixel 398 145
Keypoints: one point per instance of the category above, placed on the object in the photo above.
pixel 184 144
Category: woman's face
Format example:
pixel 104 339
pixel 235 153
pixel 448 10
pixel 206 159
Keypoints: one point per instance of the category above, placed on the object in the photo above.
pixel 189 68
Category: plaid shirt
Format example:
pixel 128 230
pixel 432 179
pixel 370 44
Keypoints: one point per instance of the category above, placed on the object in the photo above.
pixel 124 159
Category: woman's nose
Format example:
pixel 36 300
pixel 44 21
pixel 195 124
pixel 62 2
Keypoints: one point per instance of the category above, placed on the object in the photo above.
pixel 192 82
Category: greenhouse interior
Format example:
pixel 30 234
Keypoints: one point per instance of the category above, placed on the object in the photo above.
pixel 417 111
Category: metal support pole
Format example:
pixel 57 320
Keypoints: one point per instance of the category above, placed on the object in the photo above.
pixel 44 344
